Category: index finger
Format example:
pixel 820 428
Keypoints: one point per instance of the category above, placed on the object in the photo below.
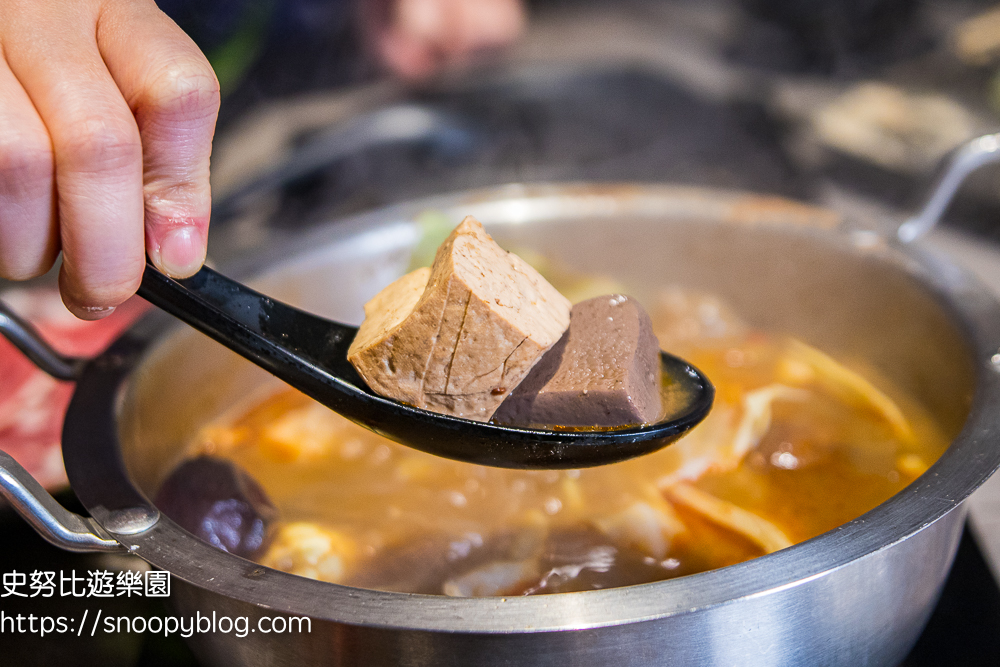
pixel 97 153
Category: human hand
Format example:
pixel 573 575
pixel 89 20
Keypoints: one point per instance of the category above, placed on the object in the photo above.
pixel 413 38
pixel 107 111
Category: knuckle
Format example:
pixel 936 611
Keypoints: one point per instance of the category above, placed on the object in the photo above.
pixel 183 87
pixel 26 165
pixel 101 144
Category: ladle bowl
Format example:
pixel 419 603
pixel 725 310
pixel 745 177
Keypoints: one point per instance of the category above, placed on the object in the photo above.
pixel 310 354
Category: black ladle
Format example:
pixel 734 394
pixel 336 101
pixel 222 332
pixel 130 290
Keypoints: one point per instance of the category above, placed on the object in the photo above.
pixel 310 354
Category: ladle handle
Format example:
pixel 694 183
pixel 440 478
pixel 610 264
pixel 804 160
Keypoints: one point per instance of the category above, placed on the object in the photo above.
pixel 252 324
pixel 962 162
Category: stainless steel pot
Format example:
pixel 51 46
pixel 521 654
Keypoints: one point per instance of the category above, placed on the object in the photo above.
pixel 858 595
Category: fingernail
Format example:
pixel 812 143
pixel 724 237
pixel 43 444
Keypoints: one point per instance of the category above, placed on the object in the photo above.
pixel 182 252
pixel 91 312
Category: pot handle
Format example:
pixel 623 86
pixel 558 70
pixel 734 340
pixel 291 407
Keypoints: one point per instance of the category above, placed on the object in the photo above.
pixel 56 524
pixel 963 161
pixel 32 345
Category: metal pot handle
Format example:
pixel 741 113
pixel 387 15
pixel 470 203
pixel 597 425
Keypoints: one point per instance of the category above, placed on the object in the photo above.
pixel 28 341
pixel 962 162
pixel 55 523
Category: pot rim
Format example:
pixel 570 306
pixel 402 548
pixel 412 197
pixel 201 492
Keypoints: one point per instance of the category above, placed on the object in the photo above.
pixel 98 475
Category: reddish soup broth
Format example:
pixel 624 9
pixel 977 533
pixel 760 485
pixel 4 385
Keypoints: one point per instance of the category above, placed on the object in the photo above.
pixel 797 444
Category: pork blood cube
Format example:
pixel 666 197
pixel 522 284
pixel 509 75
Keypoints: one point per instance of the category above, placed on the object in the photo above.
pixel 458 337
pixel 218 502
pixel 604 371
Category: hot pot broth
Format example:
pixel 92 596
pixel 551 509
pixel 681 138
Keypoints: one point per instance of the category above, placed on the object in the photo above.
pixel 797 444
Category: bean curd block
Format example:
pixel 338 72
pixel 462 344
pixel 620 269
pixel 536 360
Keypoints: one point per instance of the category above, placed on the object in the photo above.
pixel 603 372
pixel 458 337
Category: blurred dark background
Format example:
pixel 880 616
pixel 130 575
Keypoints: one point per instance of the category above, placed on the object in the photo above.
pixel 848 103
